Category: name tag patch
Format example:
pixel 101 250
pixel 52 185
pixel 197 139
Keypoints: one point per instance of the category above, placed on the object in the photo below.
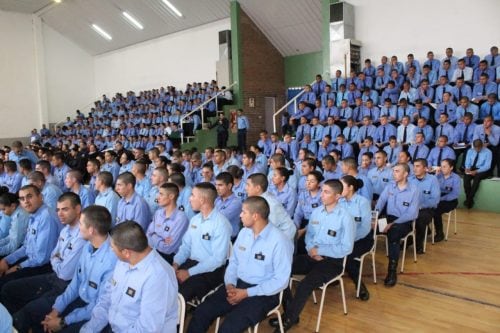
pixel 427 192
pixel 130 292
pixel 448 188
pixel 167 228
pixel 206 236
pixel 406 204
pixel 260 256
pixel 33 231
pixel 242 248
pixel 70 247
pixel 92 284
pixel 357 219
pixel 181 208
pixel 385 180
pixel 240 194
pixel 314 205
pixel 332 233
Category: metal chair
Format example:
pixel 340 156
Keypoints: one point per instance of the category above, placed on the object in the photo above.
pixel 413 234
pixel 371 252
pixel 454 212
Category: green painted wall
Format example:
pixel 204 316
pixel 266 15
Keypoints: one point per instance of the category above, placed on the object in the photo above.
pixel 236 52
pixel 301 69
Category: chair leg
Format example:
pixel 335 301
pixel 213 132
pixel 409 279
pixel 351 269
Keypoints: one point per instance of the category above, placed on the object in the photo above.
pixel 255 329
pixel 414 247
pixel 280 322
pixel 318 321
pixel 343 295
pixel 314 298
pixel 386 247
pixel 448 226
pixel 374 269
pixel 433 231
pixel 425 238
pixel 455 220
pixel 404 255
pixel 217 323
pixel 358 285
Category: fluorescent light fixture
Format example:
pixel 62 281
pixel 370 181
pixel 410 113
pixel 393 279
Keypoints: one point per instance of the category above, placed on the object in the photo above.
pixel 133 20
pixel 101 32
pixel 172 8
pixel 57 1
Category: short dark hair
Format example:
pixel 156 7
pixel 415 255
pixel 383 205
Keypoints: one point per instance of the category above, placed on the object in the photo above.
pixel 335 185
pixel 225 177
pixel 259 179
pixel 73 198
pixel 106 178
pixel 98 217
pixel 178 179
pixel 171 188
pixel 127 177
pixel 258 205
pixel 207 190
pixel 129 235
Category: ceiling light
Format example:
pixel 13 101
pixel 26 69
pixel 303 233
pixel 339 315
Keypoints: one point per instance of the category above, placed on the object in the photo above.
pixel 172 8
pixel 57 1
pixel 133 20
pixel 101 32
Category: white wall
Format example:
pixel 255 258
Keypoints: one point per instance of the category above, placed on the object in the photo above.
pixel 399 27
pixel 69 75
pixel 174 59
pixel 19 104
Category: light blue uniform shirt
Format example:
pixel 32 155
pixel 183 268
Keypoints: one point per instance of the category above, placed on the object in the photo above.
pixel 492 139
pixel 433 157
pixel 472 108
pixel 92 273
pixel 142 187
pixel 136 209
pixel 206 241
pixel 51 194
pixel 13 182
pixel 183 202
pixel 367 189
pixel 5 224
pixel 483 163
pixel 287 197
pixel 392 154
pixel 23 155
pixel 140 298
pixel 231 209
pixel 279 217
pixel 41 237
pixel 305 205
pixel 264 260
pixel 429 190
pixel 360 208
pixel 379 178
pixel 402 203
pixel 17 232
pixel 5 320
pixel 163 226
pixel 113 168
pixel 332 233
pixel 450 187
pixel 86 196
pixel 66 254
pixel 108 199
pixel 151 199
pixel 60 174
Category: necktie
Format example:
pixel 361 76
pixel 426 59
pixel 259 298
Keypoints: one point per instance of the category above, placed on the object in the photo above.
pixel 445 109
pixel 404 112
pixel 366 132
pixel 464 139
pixel 484 90
pixel 314 133
pixel 415 154
pixel 459 93
pixel 446 73
pixel 404 134
pixel 288 152
pixel 343 114
pixel 462 74
pixel 341 152
pixel 330 131
pixel 492 61
pixel 491 110
pixel 371 114
pixel 349 134
pixel 383 134
pixel 302 132
pixel 336 84
pixel 474 164
pixel 329 112
pixel 440 130
pixel 440 155
pixel 391 154
pixel 430 64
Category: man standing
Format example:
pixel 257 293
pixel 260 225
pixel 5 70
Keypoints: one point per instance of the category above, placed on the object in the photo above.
pixel 258 270
pixel 243 127
pixel 141 296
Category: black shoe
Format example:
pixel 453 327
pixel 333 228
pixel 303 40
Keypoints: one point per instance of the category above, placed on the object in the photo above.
pixel 364 295
pixel 273 322
pixel 420 250
pixel 392 276
pixel 438 237
pixel 287 325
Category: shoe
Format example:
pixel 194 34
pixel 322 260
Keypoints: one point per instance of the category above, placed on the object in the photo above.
pixel 273 322
pixel 364 295
pixel 287 325
pixel 392 276
pixel 420 250
pixel 439 237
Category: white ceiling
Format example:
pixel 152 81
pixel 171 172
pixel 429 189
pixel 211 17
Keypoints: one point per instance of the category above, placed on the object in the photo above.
pixel 293 26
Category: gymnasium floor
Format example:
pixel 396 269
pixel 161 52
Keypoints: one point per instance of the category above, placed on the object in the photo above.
pixel 455 286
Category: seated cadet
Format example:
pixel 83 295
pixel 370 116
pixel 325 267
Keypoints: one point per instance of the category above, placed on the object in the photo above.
pixel 278 161
pixel 169 223
pixel 428 187
pixel 380 176
pixel 434 64
pixel 316 130
pixel 126 162
pixel 329 238
pixel 493 59
pixel 259 268
pixel 491 108
pixel 110 164
pixel 283 192
pixel 21 297
pixel 446 70
pixel 421 111
pixel 199 264
pixel 33 257
pixel 141 295
pixel 449 185
pixel 464 133
pixel 44 167
pixel 72 308
pixel 12 178
pixel 131 207
pixel 260 161
pixel 392 150
pixel 350 167
pixel 367 147
pixel 159 176
pixel 331 129
pixel 483 69
pixel 307 201
pixel 24 167
pixel 18 153
pixel 331 170
pixel 409 93
pixel 406 132
pixel 10 208
pixel 404 109
pixel 444 129
pixel 440 152
pixel 369 70
pixel 366 163
pixel 308 144
pixel 478 163
pixel 482 89
pixel 329 110
pixel 142 182
pixel 60 169
pixel 401 202
pixel 351 132
pixel 239 184
pixel 368 129
pixel 257 185
pixel 50 192
pixel 411 62
pixel 446 106
pixel 343 147
pixel 461 89
pixel 219 159
pixel 489 134
pixel 383 132
pixel 306 166
pixel 426 130
pixel 360 208
pixel 462 72
pixel 106 197
pixel 450 57
pixel 227 203
pixel 337 81
pixel 73 182
pixel 442 88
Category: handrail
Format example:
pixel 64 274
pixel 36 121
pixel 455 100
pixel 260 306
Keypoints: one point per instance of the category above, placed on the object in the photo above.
pixel 181 121
pixel 284 107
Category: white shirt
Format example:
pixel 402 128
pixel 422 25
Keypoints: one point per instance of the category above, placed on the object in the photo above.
pixel 458 73
pixel 410 133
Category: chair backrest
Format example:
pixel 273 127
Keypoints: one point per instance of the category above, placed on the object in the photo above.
pixel 181 312
pixel 374 227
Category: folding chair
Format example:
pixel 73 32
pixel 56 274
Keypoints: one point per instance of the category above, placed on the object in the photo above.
pixel 413 234
pixel 323 288
pixel 430 227
pixel 372 252
pixel 181 313
pixel 454 212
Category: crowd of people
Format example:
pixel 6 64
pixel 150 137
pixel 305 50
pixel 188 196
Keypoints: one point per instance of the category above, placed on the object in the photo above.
pixel 102 225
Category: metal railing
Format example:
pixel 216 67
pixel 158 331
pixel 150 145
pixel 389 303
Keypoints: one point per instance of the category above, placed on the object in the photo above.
pixel 201 107
pixel 285 107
